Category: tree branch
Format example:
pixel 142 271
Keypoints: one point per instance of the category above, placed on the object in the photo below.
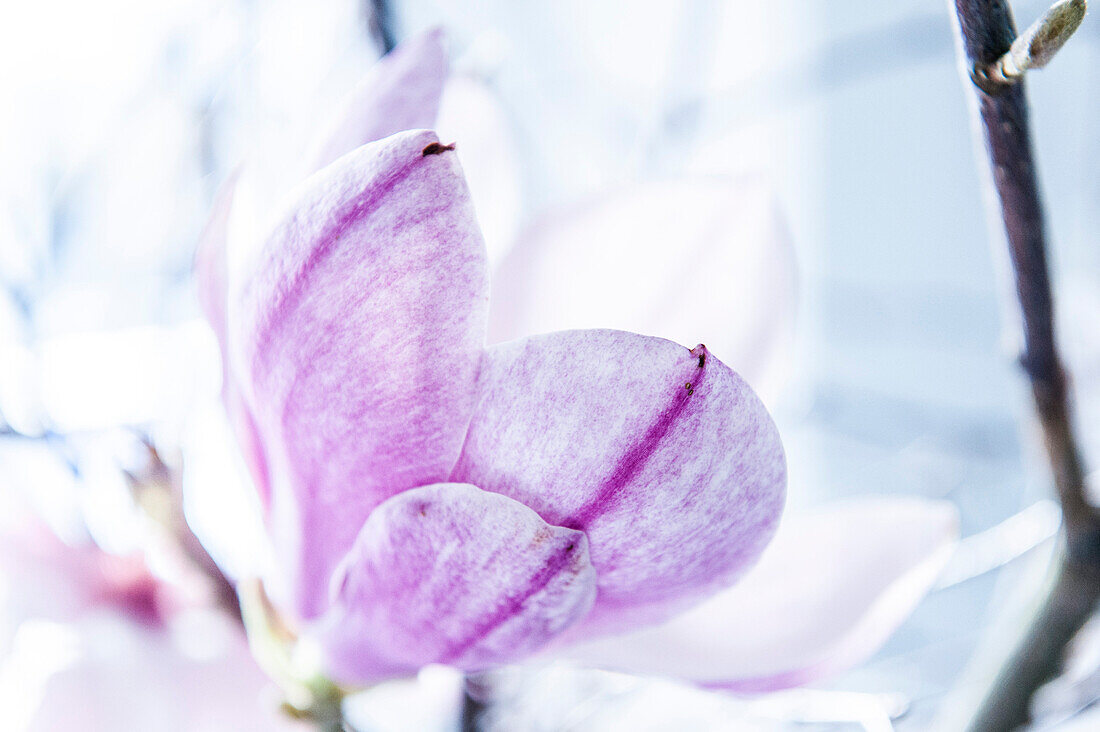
pixel 987 33
pixel 380 23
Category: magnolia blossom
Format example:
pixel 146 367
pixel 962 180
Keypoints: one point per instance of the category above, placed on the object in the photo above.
pixel 434 500
pixel 431 499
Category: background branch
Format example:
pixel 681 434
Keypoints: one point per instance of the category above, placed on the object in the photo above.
pixel 380 24
pixel 987 32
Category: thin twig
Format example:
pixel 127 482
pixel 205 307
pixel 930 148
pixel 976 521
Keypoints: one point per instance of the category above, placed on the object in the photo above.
pixel 1034 48
pixel 987 32
pixel 477 698
pixel 472 711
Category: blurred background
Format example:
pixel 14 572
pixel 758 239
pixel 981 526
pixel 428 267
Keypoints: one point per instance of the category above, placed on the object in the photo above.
pixel 122 118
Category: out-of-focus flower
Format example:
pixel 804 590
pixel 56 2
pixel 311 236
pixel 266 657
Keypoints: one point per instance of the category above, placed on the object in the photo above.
pixel 433 500
pixel 351 359
pixel 96 641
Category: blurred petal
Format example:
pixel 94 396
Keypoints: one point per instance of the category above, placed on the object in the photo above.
pixel 688 260
pixel 472 116
pixel 94 641
pixel 401 92
pixel 361 336
pixel 212 282
pixel 40 577
pixel 828 591
pixel 211 259
pixel 663 456
pixel 453 574
pixel 104 673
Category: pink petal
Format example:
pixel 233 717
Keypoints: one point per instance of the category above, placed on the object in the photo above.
pixel 361 336
pixel 401 92
pixel 663 456
pixel 826 594
pixel 688 260
pixel 452 574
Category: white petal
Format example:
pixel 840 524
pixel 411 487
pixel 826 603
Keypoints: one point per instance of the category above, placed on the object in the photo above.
pixel 827 593
pixel 701 260
pixel 472 117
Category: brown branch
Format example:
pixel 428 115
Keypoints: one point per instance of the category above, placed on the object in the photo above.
pixel 987 32
pixel 380 24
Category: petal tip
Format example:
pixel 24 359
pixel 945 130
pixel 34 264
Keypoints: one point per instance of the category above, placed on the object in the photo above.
pixel 700 352
pixel 436 148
